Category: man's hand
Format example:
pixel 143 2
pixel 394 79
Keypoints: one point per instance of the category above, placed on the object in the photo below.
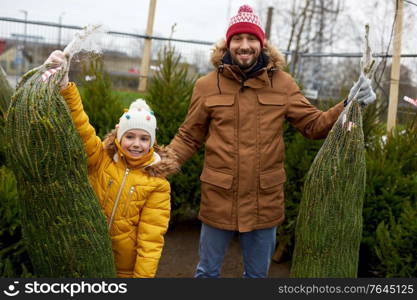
pixel 57 59
pixel 362 91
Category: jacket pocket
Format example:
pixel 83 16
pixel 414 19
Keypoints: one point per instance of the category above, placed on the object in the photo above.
pixel 271 196
pixel 272 99
pixel 272 110
pixel 272 178
pixel 216 197
pixel 220 100
pixel 129 198
pixel 216 178
pixel 221 110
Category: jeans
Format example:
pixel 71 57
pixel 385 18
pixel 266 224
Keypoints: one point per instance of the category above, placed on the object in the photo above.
pixel 257 248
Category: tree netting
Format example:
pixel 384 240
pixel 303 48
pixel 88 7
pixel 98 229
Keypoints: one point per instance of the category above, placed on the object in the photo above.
pixel 329 224
pixel 63 226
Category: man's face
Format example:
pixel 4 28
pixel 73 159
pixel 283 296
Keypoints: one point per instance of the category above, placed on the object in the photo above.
pixel 245 49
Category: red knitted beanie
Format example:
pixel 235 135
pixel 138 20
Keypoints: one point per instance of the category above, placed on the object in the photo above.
pixel 245 22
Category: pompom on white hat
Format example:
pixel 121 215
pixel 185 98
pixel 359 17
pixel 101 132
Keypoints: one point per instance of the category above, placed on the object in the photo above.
pixel 139 116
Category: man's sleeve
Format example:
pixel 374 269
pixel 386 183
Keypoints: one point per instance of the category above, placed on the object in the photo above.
pixel 192 133
pixel 310 121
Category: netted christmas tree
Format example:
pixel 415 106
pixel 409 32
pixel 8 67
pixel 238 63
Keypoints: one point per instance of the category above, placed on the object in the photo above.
pixel 329 224
pixel 63 227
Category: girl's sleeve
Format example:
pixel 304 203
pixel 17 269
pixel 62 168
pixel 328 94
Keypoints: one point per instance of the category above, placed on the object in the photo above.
pixel 91 142
pixel 154 220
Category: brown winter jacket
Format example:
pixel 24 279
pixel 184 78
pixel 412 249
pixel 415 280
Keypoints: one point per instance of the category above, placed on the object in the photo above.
pixel 243 176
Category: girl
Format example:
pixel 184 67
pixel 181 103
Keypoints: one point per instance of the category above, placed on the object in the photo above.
pixel 127 172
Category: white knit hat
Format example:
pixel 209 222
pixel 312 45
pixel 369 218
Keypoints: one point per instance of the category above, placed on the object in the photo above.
pixel 139 116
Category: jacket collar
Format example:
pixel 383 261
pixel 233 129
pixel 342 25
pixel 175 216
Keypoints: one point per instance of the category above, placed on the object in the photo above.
pixel 260 63
pixel 257 77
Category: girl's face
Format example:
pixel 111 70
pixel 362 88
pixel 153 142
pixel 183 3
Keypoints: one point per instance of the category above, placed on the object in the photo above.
pixel 136 142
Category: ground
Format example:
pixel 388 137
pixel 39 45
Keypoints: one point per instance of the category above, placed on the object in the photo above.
pixel 180 255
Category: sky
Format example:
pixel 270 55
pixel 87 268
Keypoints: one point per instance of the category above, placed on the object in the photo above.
pixel 207 20
pixel 204 20
pixel 196 19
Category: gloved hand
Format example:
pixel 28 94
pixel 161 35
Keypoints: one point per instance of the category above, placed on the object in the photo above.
pixel 57 59
pixel 362 91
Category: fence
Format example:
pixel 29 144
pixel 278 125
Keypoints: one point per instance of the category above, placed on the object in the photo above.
pixel 25 44
pixel 28 43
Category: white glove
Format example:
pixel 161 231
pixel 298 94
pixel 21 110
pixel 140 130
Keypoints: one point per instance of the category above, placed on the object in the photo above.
pixel 56 59
pixel 362 91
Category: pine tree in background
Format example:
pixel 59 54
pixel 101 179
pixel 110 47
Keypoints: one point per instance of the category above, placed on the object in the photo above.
pixel 396 244
pixel 169 96
pixel 6 92
pixel 14 260
pixel 100 102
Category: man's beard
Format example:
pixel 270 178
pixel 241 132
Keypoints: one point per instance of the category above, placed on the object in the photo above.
pixel 246 66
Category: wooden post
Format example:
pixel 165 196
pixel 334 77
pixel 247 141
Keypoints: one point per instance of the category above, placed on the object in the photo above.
pixel 395 69
pixel 268 23
pixel 146 56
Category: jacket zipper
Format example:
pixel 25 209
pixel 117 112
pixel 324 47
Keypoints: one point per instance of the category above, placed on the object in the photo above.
pixel 119 193
pixel 132 189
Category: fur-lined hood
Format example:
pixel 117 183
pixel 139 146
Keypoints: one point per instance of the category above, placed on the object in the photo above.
pixel 276 59
pixel 163 167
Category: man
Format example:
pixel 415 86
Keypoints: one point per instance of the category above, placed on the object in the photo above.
pixel 238 111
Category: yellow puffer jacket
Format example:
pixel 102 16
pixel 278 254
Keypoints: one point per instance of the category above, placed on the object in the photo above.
pixel 136 204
